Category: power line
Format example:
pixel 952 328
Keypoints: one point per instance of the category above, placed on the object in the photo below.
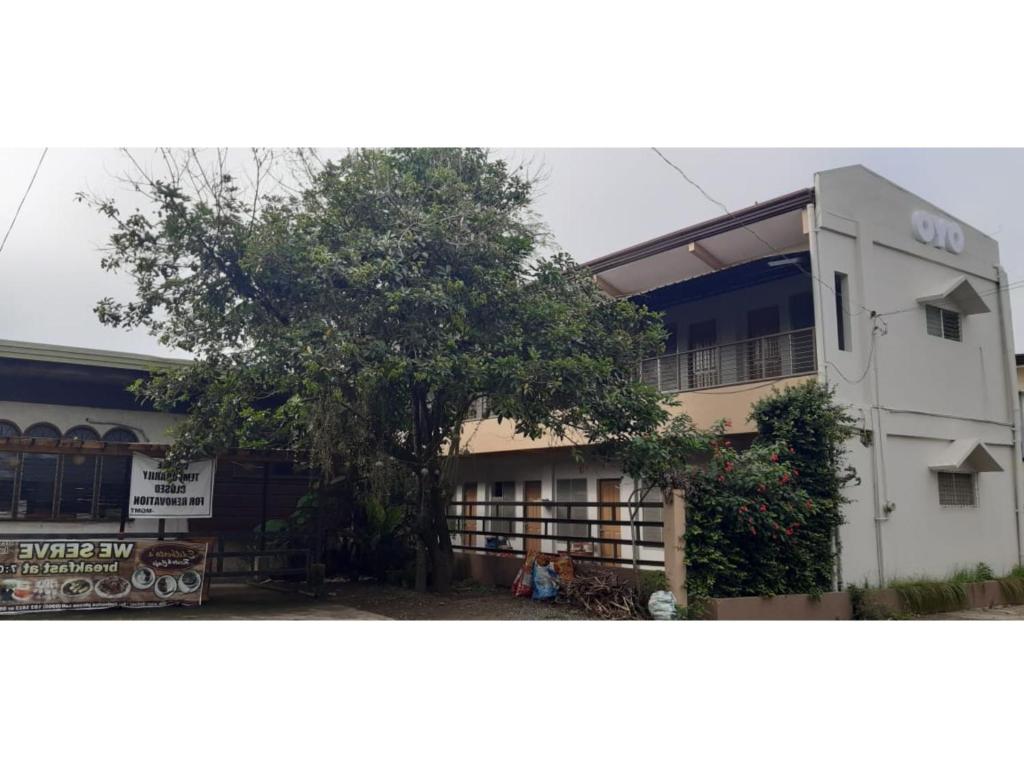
pixel 23 197
pixel 771 247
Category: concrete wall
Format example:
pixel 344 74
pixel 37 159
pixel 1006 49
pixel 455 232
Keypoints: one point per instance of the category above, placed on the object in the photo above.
pixel 930 391
pixel 151 426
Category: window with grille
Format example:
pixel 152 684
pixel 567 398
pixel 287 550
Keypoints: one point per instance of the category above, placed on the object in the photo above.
pixel 650 533
pixel 942 323
pixel 478 409
pixel 501 492
pixel 957 489
pixel 575 490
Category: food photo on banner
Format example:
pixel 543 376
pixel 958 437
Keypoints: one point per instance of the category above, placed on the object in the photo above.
pixel 102 573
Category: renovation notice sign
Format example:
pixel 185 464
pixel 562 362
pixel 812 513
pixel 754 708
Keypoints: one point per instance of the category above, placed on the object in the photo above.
pixel 156 492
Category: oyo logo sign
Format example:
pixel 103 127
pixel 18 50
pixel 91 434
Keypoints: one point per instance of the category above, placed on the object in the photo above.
pixel 935 230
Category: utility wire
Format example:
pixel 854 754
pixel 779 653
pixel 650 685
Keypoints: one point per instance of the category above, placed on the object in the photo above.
pixel 23 197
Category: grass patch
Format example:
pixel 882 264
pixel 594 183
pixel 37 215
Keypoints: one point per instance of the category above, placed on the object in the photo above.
pixel 980 572
pixel 1012 588
pixel 931 595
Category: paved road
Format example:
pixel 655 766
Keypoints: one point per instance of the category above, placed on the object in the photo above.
pixel 998 613
pixel 227 601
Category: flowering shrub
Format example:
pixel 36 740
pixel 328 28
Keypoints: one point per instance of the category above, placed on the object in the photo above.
pixel 762 521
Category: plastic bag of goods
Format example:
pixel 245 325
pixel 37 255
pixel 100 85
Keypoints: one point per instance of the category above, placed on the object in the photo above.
pixel 564 569
pixel 523 584
pixel 545 581
pixel 662 605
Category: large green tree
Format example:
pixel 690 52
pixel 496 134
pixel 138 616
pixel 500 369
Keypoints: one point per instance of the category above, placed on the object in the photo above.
pixel 357 318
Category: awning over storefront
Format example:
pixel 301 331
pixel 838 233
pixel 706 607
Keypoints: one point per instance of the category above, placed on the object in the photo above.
pixel 966 456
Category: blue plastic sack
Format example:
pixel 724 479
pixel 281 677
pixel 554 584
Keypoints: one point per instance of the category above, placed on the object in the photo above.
pixel 545 582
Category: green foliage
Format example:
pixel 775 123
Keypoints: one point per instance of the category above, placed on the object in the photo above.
pixel 748 529
pixel 1012 588
pixel 866 608
pixel 930 595
pixel 979 572
pixel 360 317
pixel 763 521
pixel 648 583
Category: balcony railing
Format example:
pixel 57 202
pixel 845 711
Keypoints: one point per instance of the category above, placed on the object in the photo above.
pixel 765 357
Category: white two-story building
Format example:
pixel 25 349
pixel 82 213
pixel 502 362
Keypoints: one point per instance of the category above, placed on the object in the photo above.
pixel 860 284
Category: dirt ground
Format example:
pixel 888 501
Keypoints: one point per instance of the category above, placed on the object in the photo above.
pixel 463 602
pixel 345 600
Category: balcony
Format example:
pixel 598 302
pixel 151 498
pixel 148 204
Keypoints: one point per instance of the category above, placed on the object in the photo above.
pixel 764 358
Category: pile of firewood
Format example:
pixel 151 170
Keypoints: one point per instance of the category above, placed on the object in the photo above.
pixel 601 594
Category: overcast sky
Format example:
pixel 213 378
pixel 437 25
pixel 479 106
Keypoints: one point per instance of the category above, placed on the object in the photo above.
pixel 594 200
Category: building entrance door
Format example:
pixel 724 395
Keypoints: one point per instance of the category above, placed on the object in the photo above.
pixel 608 491
pixel 764 357
pixel 702 360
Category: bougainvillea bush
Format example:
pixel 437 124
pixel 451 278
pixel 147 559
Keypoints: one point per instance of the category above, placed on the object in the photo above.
pixel 762 521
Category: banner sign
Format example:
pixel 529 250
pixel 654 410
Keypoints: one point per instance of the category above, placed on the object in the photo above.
pixel 155 494
pixel 56 575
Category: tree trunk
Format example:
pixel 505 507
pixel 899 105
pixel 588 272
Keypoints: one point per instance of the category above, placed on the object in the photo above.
pixel 423 536
pixel 442 557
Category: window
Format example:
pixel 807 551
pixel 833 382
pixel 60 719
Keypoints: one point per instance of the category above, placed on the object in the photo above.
pixel 8 471
pixel 574 490
pixel 78 478
pixel 943 323
pixel 842 291
pixel 120 435
pixel 652 533
pixel 501 492
pixel 478 409
pixel 957 489
pixel 38 477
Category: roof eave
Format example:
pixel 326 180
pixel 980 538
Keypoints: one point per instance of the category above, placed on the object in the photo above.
pixel 745 217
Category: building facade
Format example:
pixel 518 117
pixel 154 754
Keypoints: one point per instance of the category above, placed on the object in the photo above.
pixel 861 285
pixel 69 428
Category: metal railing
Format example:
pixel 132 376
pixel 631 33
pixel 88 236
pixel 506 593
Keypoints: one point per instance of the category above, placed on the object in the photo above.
pixel 574 527
pixel 765 357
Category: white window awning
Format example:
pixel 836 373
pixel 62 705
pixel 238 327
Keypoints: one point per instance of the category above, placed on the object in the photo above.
pixel 959 296
pixel 966 456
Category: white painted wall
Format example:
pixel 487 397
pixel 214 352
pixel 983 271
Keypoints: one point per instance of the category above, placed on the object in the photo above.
pixel 930 391
pixel 151 426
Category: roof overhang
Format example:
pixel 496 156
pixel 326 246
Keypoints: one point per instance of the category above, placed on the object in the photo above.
pixel 966 456
pixel 99 358
pixel 959 296
pixel 771 228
